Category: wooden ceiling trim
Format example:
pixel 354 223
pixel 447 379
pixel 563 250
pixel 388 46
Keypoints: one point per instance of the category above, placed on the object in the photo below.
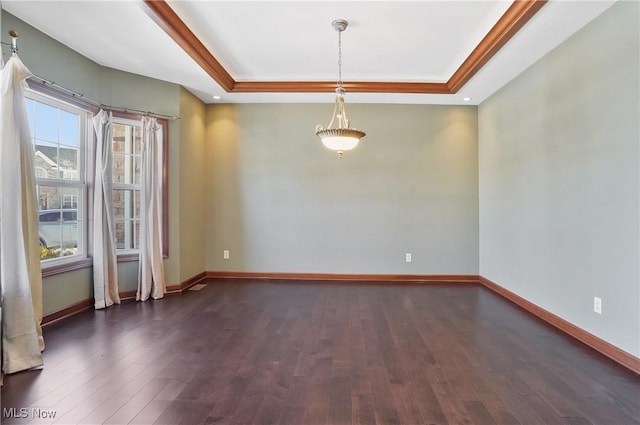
pixel 396 87
pixel 163 15
pixel 329 86
pixel 284 86
pixel 507 26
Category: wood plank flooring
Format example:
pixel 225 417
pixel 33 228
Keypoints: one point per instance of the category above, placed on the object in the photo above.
pixel 269 352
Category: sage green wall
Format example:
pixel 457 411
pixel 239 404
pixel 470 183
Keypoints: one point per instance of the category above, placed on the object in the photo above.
pixel 49 59
pixel 280 202
pixel 62 290
pixel 192 183
pixel 559 180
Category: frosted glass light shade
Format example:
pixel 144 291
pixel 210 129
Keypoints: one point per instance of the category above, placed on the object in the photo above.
pixel 340 139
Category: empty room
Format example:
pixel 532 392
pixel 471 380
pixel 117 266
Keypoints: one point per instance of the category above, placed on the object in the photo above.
pixel 320 212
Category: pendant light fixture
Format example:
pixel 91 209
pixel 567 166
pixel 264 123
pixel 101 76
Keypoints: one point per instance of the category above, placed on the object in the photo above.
pixel 342 138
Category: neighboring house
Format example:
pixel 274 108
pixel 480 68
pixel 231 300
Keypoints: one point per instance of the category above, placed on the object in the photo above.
pixel 56 162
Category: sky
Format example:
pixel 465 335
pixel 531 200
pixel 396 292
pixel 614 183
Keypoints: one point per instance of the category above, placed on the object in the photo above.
pixel 50 125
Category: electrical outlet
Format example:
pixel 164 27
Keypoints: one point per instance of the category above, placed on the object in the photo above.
pixel 225 254
pixel 597 305
pixel 407 257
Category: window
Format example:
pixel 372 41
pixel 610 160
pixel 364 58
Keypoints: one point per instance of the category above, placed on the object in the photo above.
pixel 127 139
pixel 59 135
pixel 62 136
pixel 69 201
pixel 127 159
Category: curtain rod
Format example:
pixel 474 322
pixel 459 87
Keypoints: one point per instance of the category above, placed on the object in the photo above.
pixel 79 96
pixel 85 99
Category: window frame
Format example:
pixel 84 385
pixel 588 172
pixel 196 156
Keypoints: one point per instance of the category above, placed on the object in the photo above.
pixel 133 254
pixel 133 187
pixel 82 184
pixel 68 97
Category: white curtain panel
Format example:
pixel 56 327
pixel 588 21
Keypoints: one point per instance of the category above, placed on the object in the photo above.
pixel 151 281
pixel 20 272
pixel 105 265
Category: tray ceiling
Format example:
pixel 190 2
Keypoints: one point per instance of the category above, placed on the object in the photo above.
pixel 286 51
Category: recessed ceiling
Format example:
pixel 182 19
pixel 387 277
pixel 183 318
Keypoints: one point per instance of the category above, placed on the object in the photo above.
pixel 292 41
pixel 385 41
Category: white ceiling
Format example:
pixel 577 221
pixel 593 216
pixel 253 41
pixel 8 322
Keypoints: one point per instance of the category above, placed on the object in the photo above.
pixel 388 41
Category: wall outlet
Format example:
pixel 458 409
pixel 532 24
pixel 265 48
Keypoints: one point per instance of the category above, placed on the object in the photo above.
pixel 407 257
pixel 597 305
pixel 225 254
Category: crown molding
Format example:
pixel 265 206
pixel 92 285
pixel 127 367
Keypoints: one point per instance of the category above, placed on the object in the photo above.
pixel 507 26
pixel 162 14
pixel 516 16
pixel 329 86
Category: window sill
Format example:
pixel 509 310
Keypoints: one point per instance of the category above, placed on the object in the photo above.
pixel 55 269
pixel 128 256
pixel 133 256
pixel 82 263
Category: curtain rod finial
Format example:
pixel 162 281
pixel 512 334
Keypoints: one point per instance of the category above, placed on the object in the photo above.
pixel 14 41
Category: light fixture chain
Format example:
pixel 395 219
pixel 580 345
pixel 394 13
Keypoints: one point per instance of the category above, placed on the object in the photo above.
pixel 339 59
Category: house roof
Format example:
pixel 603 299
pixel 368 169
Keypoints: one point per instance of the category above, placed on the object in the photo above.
pixel 65 158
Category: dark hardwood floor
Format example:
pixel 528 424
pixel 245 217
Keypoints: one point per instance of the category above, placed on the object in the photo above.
pixel 320 353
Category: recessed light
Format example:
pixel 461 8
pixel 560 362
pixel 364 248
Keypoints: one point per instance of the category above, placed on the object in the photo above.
pixel 216 97
pixel 466 99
